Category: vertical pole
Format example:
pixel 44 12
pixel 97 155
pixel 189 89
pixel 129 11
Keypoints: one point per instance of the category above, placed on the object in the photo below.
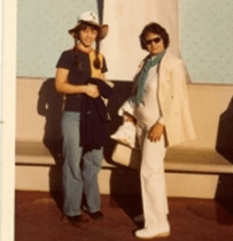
pixel 7 112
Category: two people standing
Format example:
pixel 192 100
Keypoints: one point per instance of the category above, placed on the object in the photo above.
pixel 161 114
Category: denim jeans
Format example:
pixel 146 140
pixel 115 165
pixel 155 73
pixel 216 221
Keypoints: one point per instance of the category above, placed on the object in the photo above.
pixel 80 168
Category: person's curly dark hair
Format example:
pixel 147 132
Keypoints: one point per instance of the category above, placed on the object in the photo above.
pixel 156 29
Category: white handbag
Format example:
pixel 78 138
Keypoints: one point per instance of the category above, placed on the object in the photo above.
pixel 126 156
pixel 127 152
pixel 125 134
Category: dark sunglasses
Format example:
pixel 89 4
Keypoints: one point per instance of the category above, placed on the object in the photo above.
pixel 156 40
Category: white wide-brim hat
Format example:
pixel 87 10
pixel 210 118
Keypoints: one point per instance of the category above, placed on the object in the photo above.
pixel 92 19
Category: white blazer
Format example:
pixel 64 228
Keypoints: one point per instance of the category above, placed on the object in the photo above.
pixel 173 100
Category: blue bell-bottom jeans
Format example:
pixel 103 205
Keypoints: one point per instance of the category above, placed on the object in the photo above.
pixel 80 169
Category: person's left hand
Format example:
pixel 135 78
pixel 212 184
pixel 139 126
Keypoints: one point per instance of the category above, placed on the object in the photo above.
pixel 156 131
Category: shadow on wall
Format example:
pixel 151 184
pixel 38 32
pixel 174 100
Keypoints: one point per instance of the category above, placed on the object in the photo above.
pixel 50 105
pixel 224 146
pixel 124 182
pixel 125 187
pixel 224 143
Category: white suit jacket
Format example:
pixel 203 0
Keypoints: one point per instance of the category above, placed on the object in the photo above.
pixel 173 100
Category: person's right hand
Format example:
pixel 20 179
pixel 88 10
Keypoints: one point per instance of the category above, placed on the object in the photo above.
pixel 92 91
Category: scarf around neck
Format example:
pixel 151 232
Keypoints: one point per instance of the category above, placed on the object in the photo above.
pixel 149 63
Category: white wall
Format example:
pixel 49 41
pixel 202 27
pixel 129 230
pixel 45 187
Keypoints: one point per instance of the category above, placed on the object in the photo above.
pixel 205 34
pixel 206 40
pixel 43 33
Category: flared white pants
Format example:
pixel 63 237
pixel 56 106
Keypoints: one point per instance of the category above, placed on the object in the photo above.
pixel 153 187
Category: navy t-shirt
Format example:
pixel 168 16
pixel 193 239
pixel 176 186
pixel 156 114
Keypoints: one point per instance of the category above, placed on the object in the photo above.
pixel 76 76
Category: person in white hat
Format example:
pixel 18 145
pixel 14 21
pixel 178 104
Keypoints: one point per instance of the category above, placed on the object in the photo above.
pixel 81 162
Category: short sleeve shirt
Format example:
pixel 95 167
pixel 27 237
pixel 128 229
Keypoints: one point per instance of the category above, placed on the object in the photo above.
pixel 78 76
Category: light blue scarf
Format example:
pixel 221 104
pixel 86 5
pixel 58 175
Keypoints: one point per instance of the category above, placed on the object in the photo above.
pixel 144 74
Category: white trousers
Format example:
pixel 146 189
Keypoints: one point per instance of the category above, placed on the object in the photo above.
pixel 153 187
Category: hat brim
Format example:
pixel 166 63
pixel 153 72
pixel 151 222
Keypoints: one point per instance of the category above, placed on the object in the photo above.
pixel 103 29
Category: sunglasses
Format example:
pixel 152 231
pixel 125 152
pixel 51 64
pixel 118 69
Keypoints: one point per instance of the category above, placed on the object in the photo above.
pixel 155 40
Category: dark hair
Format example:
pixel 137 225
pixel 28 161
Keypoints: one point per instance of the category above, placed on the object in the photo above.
pixel 156 29
pixel 83 26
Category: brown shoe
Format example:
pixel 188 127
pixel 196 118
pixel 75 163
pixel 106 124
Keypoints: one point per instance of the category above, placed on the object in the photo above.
pixel 75 220
pixel 97 215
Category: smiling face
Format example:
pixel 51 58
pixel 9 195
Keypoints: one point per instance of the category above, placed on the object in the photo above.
pixel 154 43
pixel 87 36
